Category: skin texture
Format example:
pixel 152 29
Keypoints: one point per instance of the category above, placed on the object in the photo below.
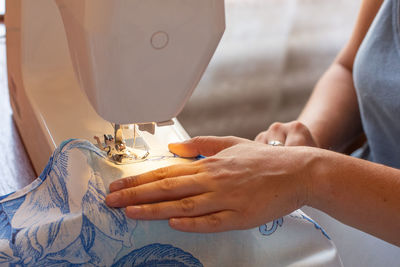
pixel 293 133
pixel 214 194
pixel 218 189
pixel 331 118
pixel 332 114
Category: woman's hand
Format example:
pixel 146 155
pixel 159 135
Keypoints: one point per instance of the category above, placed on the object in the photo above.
pixel 242 184
pixel 289 134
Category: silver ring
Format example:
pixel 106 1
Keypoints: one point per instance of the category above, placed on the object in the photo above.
pixel 275 143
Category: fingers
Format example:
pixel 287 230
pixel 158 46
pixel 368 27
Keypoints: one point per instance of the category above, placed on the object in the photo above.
pixel 226 220
pixel 186 207
pixel 156 175
pixel 299 135
pixel 299 140
pixel 197 214
pixel 163 190
pixel 262 138
pixel 276 132
pixel 290 134
pixel 206 146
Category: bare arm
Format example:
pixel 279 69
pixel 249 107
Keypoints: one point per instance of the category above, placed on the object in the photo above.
pixel 213 195
pixel 359 193
pixel 332 113
pixel 331 118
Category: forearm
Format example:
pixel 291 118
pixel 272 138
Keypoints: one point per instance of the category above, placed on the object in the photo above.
pixel 359 193
pixel 332 113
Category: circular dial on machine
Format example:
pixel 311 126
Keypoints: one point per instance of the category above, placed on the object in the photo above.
pixel 159 40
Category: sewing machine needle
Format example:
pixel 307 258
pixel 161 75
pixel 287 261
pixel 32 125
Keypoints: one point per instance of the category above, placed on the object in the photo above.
pixel 134 135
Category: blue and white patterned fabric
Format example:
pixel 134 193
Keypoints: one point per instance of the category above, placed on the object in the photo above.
pixel 61 220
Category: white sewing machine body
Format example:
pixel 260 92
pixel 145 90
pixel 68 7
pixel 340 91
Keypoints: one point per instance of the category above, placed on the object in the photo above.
pixel 144 77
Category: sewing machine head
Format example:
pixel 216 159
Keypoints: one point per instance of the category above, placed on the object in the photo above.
pixel 139 61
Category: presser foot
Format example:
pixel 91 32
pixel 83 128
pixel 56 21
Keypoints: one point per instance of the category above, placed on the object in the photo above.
pixel 119 153
pixel 128 156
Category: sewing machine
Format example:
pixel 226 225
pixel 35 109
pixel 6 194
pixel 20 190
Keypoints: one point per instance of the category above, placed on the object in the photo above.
pixel 114 68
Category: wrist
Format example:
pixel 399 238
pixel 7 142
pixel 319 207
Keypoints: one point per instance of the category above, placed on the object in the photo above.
pixel 317 176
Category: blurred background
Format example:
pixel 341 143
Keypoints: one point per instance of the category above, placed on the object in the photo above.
pixel 270 57
pixel 272 54
pixel 2 10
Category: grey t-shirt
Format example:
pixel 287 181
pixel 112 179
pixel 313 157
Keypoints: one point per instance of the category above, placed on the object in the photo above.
pixel 377 82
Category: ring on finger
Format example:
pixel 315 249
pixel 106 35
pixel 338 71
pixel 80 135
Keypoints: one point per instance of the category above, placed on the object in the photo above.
pixel 275 143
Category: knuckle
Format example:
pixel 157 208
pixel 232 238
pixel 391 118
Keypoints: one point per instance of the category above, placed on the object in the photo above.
pixel 167 184
pixel 131 181
pixel 210 160
pixel 187 205
pixel 276 126
pixel 161 173
pixel 129 194
pixel 153 210
pixel 209 164
pixel 213 221
pixel 261 136
pixel 297 126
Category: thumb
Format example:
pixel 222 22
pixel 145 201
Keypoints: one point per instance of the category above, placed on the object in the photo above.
pixel 203 145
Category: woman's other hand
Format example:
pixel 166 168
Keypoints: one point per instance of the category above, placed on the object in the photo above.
pixel 292 133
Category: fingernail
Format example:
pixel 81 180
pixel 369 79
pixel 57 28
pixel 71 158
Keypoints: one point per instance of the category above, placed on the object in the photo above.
pixel 174 148
pixel 117 185
pixel 113 199
pixel 172 145
pixel 133 211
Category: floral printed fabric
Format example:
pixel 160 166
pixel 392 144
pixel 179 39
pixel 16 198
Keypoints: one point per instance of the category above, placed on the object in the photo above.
pixel 61 220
